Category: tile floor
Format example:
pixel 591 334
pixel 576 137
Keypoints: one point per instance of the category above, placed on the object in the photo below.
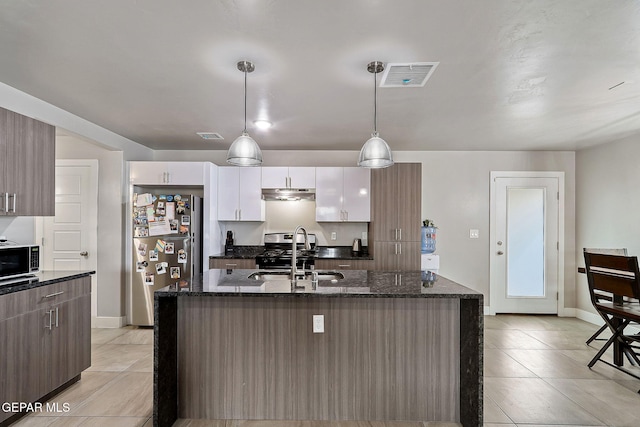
pixel 535 375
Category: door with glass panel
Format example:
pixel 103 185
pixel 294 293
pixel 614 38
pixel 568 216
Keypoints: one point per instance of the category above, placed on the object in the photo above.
pixel 525 245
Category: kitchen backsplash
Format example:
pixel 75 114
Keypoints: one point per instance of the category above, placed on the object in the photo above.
pixel 285 216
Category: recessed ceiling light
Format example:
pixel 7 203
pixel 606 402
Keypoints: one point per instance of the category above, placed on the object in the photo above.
pixel 262 124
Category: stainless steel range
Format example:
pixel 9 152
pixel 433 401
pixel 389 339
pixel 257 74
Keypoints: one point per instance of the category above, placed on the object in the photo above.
pixel 278 251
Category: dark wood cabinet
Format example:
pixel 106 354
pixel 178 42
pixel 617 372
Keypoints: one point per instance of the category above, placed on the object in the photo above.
pixel 46 334
pixel 232 263
pixel 343 264
pixel 396 202
pixel 27 166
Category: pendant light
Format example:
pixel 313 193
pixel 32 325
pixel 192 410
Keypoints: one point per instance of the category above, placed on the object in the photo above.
pixel 375 153
pixel 245 151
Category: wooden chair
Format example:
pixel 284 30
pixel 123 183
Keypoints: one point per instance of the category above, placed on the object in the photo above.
pixel 617 276
pixel 621 251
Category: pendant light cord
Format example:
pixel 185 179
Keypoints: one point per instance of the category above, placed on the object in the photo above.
pixel 375 98
pixel 245 98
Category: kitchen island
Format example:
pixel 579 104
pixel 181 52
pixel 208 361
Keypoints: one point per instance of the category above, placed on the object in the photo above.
pixel 399 345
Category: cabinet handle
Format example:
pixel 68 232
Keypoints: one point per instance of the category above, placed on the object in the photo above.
pixel 346 215
pixel 400 279
pixel 400 246
pixel 50 325
pixel 6 202
pixel 344 265
pixel 56 317
pixel 400 229
pixel 396 233
pixel 53 295
pixel 14 202
pixel 231 265
pixel 239 214
pixel 395 249
pixel 168 177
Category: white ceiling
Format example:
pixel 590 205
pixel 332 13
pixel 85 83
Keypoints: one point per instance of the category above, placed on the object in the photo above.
pixel 513 75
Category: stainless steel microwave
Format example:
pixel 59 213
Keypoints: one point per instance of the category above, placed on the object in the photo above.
pixel 19 261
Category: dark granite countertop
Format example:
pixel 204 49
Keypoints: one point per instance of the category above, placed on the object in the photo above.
pixel 322 252
pixel 43 278
pixel 356 283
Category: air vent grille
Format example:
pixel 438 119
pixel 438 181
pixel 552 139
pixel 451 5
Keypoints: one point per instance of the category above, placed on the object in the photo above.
pixel 413 74
pixel 210 135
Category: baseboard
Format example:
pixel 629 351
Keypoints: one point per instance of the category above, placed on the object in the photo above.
pixel 597 320
pixel 588 316
pixel 108 322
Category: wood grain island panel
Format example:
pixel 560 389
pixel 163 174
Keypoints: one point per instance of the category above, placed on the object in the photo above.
pixel 394 347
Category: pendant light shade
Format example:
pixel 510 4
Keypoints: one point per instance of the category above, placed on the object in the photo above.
pixel 245 151
pixel 375 153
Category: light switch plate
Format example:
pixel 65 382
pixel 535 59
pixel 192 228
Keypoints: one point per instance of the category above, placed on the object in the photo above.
pixel 318 324
pixel 474 234
pixel 334 235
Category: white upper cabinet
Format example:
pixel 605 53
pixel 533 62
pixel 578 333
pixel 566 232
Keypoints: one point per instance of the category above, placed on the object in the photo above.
pixel 240 194
pixel 343 194
pixel 167 173
pixel 288 177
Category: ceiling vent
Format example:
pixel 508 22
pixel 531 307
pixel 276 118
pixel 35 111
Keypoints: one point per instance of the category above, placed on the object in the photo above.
pixel 210 135
pixel 410 74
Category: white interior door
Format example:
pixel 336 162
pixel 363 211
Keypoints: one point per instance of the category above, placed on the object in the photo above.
pixel 69 239
pixel 525 245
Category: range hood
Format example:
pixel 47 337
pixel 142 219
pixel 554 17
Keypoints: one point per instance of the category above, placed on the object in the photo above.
pixel 287 194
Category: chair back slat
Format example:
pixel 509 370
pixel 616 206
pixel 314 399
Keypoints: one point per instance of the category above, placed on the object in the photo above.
pixel 616 274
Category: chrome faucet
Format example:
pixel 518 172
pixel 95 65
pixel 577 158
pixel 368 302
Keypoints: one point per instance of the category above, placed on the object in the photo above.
pixel 294 256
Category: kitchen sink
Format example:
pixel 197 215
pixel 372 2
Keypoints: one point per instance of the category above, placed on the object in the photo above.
pixel 266 275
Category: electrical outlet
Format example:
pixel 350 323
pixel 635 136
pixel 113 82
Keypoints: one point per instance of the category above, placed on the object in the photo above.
pixel 474 234
pixel 334 235
pixel 318 324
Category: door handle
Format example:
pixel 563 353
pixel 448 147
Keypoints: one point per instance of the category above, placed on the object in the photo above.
pixel 84 254
pixel 500 253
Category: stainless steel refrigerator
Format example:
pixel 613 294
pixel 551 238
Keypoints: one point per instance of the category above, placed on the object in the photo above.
pixel 167 247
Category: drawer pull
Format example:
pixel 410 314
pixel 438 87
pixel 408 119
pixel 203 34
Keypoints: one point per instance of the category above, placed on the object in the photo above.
pixel 53 295
pixel 231 265
pixel 344 265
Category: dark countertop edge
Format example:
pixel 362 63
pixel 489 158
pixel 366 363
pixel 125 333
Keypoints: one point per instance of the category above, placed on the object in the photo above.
pixel 43 278
pixel 441 288
pixel 174 294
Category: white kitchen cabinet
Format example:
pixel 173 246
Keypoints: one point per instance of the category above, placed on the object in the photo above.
pixel 343 194
pixel 289 177
pixel 240 194
pixel 167 173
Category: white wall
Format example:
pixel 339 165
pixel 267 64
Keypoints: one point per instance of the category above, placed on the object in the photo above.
pixel 607 203
pixel 455 195
pixel 18 229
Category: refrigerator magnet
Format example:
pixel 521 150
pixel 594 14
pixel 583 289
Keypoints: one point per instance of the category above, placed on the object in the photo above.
pixel 175 272
pixel 141 265
pixel 148 278
pixel 160 244
pixel 173 226
pixel 153 255
pixel 161 268
pixel 182 256
pixel 169 248
pixel 185 220
pixel 169 198
pixel 162 197
pixel 160 204
pixel 184 229
pixel 177 197
pixel 142 249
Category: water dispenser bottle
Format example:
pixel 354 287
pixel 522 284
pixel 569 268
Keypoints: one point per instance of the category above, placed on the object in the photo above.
pixel 428 241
